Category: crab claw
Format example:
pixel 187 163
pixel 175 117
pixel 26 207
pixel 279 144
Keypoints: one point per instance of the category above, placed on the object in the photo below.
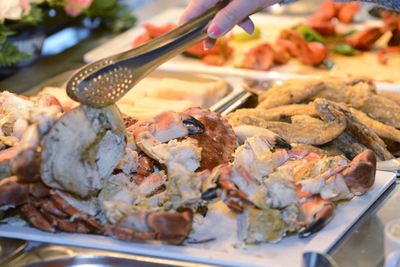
pixel 360 174
pixel 275 141
pixel 315 214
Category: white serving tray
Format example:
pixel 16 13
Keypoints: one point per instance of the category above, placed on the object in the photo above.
pixel 223 251
pixel 124 42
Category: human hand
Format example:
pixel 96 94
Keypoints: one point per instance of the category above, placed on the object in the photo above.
pixel 237 12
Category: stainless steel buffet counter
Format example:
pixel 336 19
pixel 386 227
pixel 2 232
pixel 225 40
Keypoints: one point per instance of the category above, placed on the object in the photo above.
pixel 361 246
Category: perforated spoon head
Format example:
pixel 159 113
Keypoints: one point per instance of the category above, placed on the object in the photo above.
pixel 100 84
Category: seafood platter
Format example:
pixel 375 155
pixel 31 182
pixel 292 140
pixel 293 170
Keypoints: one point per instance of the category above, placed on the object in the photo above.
pixel 333 41
pixel 291 175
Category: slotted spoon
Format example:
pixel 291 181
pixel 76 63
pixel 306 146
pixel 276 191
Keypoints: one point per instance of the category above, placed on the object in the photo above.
pixel 104 82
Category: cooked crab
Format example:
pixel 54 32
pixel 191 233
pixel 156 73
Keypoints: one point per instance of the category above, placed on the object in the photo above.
pixel 289 191
pixel 93 141
pixel 23 123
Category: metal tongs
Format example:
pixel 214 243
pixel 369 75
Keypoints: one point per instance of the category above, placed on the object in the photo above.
pixel 104 82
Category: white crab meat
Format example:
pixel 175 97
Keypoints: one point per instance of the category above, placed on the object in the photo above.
pixel 255 156
pixel 20 127
pixel 290 215
pixel 280 193
pixel 325 179
pixel 336 189
pixel 185 153
pixel 182 159
pixel 14 106
pixel 81 149
pixel 168 126
pixel 129 161
pixel 117 196
pixel 256 226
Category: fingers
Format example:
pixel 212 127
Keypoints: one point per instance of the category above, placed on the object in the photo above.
pixel 247 25
pixel 196 8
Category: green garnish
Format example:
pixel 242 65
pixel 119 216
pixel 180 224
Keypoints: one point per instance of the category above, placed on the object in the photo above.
pixel 345 49
pixel 244 36
pixel 351 32
pixel 309 34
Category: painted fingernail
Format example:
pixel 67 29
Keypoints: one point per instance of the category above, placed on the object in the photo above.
pixel 208 44
pixel 214 31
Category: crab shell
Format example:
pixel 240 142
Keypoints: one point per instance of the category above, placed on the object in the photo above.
pixel 218 142
pixel 171 227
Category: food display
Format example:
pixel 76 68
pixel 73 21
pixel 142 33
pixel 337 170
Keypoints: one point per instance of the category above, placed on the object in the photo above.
pixel 339 116
pixel 326 42
pixel 88 170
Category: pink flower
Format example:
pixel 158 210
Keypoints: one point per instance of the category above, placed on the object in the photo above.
pixel 25 5
pixel 75 7
pixel 11 9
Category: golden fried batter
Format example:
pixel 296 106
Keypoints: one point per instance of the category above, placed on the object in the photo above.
pixel 391 95
pixel 382 109
pixel 382 130
pixel 303 129
pixel 329 111
pixel 290 92
pixel 286 111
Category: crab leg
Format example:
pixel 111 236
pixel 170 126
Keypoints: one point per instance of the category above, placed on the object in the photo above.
pixel 36 218
pixel 171 227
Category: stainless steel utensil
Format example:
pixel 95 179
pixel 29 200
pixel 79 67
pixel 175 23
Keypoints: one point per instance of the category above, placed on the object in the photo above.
pixel 105 81
pixel 10 248
pixel 95 261
pixel 317 259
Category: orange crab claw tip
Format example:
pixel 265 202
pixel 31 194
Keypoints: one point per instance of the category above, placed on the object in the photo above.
pixel 319 219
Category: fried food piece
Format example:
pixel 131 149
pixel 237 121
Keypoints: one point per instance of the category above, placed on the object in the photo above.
pixel 348 145
pixel 290 92
pixel 303 129
pixel 334 90
pixel 330 111
pixel 391 95
pixel 281 113
pixel 247 115
pixel 382 130
pixel 353 91
pixel 382 109
pixel 359 92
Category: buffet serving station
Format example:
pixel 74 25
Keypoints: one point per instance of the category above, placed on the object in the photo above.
pixel 353 238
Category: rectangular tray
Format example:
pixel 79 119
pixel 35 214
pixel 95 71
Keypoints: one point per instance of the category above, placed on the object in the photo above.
pixel 124 41
pixel 224 251
pixel 235 92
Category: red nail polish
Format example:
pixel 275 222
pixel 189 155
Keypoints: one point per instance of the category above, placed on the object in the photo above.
pixel 214 31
